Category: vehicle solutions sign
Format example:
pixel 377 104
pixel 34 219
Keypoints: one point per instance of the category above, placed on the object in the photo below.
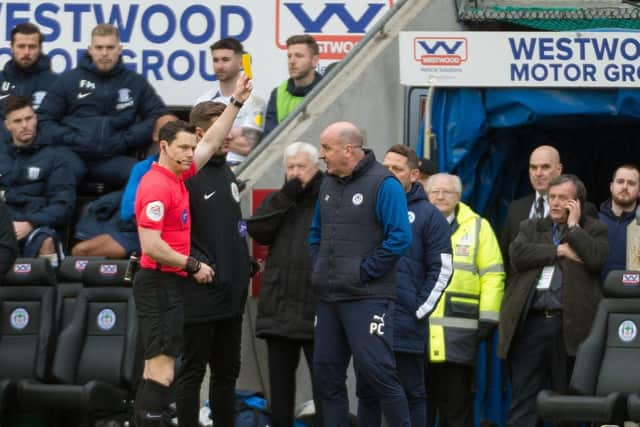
pixel 168 41
pixel 520 59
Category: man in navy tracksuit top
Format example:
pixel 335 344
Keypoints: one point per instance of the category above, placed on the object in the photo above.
pixel 35 182
pixel 358 232
pixel 101 110
pixel 28 73
pixel 422 275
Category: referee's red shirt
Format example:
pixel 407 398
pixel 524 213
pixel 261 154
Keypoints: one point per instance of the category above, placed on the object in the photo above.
pixel 162 203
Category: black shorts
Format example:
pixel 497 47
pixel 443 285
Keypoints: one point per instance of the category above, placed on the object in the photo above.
pixel 158 297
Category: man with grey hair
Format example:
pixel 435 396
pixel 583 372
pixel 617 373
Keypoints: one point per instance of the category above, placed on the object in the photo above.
pixel 469 308
pixel 286 307
pixel 551 302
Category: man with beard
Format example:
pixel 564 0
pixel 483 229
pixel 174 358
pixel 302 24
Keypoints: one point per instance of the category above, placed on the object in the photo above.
pixel 213 311
pixel 302 59
pixel 247 129
pixel 102 111
pixel 28 74
pixel 618 212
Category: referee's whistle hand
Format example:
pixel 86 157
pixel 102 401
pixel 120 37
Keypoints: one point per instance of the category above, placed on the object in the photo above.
pixel 205 274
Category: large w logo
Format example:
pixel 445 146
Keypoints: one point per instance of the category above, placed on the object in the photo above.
pixel 339 10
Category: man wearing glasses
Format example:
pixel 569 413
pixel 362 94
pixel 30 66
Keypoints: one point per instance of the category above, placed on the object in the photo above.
pixel 469 309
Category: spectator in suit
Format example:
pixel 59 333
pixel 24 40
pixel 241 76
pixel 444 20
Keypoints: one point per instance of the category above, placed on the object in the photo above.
pixel 544 165
pixel 551 301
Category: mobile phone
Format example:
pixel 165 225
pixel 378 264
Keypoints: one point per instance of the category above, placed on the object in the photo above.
pixel 246 65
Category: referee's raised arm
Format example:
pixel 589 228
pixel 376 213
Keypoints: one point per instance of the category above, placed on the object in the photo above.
pixel 216 134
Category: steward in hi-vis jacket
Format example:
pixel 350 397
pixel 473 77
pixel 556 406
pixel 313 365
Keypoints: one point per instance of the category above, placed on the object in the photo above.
pixel 469 310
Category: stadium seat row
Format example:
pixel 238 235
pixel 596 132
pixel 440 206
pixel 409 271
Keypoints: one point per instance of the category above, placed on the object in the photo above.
pixel 68 344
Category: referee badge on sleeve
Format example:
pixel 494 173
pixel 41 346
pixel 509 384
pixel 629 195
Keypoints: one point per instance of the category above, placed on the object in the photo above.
pixel 155 211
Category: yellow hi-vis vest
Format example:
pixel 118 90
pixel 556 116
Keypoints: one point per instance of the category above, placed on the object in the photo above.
pixel 474 294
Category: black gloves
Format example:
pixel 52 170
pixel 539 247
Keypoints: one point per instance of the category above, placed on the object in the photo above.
pixel 293 189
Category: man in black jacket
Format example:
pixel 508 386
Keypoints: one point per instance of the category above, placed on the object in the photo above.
pixel 287 306
pixel 35 182
pixel 213 312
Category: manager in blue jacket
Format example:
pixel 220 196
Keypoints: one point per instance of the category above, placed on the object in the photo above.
pixel 101 110
pixel 422 275
pixel 359 231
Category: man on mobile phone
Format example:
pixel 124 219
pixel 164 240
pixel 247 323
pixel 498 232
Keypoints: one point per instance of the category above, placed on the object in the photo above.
pixel 550 304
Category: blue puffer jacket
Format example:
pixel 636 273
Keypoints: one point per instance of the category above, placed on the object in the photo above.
pixel 100 115
pixel 38 183
pixel 31 83
pixel 617 232
pixel 422 273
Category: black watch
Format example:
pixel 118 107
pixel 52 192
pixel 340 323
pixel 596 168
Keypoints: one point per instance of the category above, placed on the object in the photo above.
pixel 235 102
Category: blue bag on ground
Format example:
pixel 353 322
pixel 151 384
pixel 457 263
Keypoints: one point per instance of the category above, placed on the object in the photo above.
pixel 251 409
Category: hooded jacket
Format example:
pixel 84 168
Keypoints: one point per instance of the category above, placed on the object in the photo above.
pixel 99 115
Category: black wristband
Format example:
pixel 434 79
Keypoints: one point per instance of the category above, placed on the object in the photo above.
pixel 193 265
pixel 234 101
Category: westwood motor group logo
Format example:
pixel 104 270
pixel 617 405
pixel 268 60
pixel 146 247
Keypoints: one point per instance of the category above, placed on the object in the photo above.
pixel 440 51
pixel 336 25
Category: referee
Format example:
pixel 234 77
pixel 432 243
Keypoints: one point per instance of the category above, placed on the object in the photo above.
pixel 164 226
